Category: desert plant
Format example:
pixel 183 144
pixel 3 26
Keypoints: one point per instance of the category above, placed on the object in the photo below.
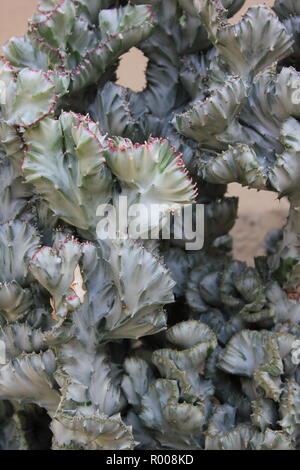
pixel 121 343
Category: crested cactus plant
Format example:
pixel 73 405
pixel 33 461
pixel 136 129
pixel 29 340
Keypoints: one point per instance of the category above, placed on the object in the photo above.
pixel 115 343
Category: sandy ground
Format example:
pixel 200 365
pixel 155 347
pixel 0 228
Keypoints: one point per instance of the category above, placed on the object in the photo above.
pixel 259 212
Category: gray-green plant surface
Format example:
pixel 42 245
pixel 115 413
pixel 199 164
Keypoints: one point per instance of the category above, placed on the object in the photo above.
pixel 129 344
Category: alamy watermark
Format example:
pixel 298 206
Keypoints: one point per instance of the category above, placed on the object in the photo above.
pixel 152 221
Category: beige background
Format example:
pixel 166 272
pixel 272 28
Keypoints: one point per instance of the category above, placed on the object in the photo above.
pixel 259 212
pixel 14 15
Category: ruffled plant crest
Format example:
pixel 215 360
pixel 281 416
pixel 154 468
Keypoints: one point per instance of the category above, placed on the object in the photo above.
pixel 141 344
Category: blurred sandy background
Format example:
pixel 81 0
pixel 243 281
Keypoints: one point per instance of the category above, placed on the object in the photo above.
pixel 259 212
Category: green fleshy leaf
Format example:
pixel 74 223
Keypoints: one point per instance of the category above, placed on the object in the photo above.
pixel 21 53
pixel 15 302
pixel 29 379
pixel 55 270
pixel 131 25
pixel 207 122
pixel 65 164
pixel 143 286
pixel 97 432
pixel 18 241
pixel 28 98
pixel 20 338
pixel 14 193
pixel 238 45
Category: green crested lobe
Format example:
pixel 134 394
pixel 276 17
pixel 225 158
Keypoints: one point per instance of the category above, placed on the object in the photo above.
pixel 21 53
pixel 29 96
pixel 237 164
pixel 136 380
pixel 12 143
pixel 285 309
pixel 79 41
pixel 284 174
pixel 194 350
pixel 100 349
pixel 88 415
pixel 20 338
pixel 175 35
pixel 153 175
pixel 172 409
pixel 259 128
pixel 237 44
pixel 153 170
pixel 54 23
pixel 98 288
pixel 224 434
pixel 111 109
pixel 174 424
pixel 260 356
pixel 14 193
pixel 119 20
pixel 179 264
pixel 210 121
pixel 83 44
pixel 283 177
pixel 242 288
pixel 289 409
pixel 18 241
pixel 80 432
pixel 288 13
pixel 57 270
pixel 90 379
pixel 29 379
pixel 246 164
pixel 65 163
pixel 142 285
pixel 244 353
pixel 264 413
pixel 91 8
pixel 15 302
pixel 278 91
pixel 219 219
pixel 228 295
pixel 97 60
